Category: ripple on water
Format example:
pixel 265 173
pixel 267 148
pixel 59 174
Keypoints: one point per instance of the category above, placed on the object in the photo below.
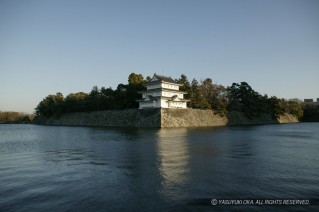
pixel 92 169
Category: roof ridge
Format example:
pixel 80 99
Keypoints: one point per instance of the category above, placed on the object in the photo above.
pixel 165 78
pixel 159 75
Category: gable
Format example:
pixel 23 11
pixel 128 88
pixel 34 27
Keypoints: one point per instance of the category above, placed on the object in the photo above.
pixel 154 78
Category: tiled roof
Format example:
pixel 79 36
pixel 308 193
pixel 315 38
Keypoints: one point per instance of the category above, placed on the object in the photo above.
pixel 165 78
pixel 163 89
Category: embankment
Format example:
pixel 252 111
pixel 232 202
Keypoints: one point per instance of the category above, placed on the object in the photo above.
pixel 158 118
pixel 109 118
pixel 207 118
pixel 191 118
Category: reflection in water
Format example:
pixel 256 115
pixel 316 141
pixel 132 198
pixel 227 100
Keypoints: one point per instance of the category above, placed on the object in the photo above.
pixel 173 155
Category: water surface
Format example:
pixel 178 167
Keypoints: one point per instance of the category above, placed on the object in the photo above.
pixel 46 168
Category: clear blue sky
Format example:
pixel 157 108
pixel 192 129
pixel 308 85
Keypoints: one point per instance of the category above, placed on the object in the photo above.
pixel 71 45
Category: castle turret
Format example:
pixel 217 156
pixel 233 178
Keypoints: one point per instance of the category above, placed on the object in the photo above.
pixel 162 92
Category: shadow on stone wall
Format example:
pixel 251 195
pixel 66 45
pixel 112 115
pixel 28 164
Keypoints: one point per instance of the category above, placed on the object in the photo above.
pixel 239 118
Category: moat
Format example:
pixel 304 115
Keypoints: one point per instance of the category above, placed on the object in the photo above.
pixel 47 168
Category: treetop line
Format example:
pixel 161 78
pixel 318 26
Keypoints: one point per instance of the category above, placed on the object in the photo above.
pixel 164 92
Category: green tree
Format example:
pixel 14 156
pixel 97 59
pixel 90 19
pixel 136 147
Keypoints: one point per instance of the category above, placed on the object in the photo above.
pixel 310 112
pixel 125 96
pixel 132 92
pixel 94 99
pixel 274 107
pixel 15 117
pixel 295 109
pixel 95 92
pixel 50 105
pixel 185 87
pixel 76 102
pixel 244 99
pixel 148 78
pixel 107 98
pixel 215 95
pixel 196 97
pixel 135 79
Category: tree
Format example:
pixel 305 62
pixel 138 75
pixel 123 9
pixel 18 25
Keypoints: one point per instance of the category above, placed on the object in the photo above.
pixel 136 84
pixel 185 87
pixel 94 99
pixel 295 109
pixel 126 95
pixel 215 95
pixel 107 98
pixel 50 105
pixel 15 117
pixel 207 88
pixel 244 99
pixel 135 79
pixel 196 97
pixel 76 102
pixel 95 92
pixel 310 112
pixel 274 107
pixel 148 78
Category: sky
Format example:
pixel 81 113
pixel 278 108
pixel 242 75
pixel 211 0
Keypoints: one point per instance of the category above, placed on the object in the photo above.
pixel 70 46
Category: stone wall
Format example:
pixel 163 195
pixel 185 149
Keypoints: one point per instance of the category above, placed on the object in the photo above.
pixel 109 118
pixel 207 118
pixel 287 118
pixel 191 118
pixel 148 118
pixel 125 118
pixel 158 118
